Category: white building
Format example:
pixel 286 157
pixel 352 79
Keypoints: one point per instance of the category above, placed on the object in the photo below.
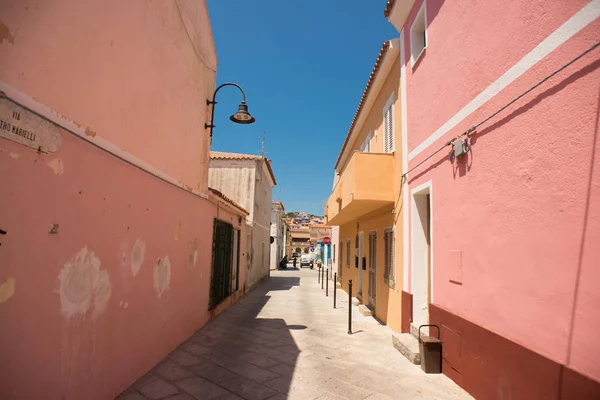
pixel 277 233
pixel 249 181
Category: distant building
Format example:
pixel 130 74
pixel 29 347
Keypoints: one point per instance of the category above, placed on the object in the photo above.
pixel 299 240
pixel 249 181
pixel 278 231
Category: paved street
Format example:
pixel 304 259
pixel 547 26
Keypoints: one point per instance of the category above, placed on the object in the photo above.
pixel 285 341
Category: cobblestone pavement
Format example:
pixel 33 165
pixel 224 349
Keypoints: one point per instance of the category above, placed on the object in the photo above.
pixel 284 340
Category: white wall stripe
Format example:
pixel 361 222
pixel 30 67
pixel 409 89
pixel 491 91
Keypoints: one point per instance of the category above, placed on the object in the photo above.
pixel 98 141
pixel 572 26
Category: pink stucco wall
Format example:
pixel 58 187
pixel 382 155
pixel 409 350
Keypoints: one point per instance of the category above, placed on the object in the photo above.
pixel 136 73
pixel 524 207
pixel 53 348
pixel 125 278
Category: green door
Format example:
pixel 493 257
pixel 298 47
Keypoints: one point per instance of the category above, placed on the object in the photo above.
pixel 222 261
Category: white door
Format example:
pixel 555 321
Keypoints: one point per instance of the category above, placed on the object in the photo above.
pixel 421 253
pixel 361 253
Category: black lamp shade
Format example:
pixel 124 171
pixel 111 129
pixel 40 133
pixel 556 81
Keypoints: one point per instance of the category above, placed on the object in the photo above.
pixel 242 116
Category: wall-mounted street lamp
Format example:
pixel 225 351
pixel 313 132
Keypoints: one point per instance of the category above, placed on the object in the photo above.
pixel 242 116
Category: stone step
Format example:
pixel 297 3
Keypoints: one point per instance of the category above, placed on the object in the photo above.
pixel 355 301
pixel 364 310
pixel 406 344
pixel 414 330
pixel 338 285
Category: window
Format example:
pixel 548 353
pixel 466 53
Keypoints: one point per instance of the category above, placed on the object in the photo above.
pixel 389 273
pixel 388 126
pixel 348 254
pixel 418 36
pixel 365 146
pixel 372 249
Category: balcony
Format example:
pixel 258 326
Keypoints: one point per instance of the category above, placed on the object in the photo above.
pixel 366 185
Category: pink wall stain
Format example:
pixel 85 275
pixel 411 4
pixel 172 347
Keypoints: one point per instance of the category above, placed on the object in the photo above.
pixel 521 205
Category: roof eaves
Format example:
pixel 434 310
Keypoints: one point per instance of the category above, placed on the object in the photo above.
pixel 227 199
pixel 219 155
pixel 271 171
pixel 388 8
pixel 382 52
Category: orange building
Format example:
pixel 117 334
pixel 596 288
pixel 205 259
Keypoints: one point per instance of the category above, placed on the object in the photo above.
pixel 366 201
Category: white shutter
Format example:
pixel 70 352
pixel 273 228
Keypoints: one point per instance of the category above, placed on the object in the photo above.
pixel 388 126
pixel 386 142
pixel 391 128
pixel 386 271
pixel 392 271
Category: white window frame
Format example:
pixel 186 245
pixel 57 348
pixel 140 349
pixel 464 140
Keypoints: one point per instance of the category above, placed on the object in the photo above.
pixel 365 146
pixel 389 147
pixel 422 14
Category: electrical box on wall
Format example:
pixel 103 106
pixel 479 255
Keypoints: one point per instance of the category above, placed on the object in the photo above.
pixel 461 147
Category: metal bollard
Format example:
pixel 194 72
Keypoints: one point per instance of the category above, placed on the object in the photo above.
pixel 318 276
pixel 350 307
pixel 322 277
pixel 334 287
pixel 327 283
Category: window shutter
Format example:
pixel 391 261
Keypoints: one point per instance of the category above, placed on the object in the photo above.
pixel 386 143
pixel 389 273
pixel 388 133
pixel 386 263
pixel 391 128
pixel 392 272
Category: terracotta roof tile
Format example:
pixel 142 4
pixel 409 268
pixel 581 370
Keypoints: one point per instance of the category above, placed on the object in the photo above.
pixel 382 52
pixel 388 8
pixel 228 199
pixel 233 156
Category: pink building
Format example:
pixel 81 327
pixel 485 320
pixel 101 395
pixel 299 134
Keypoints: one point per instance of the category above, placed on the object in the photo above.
pixel 502 243
pixel 106 218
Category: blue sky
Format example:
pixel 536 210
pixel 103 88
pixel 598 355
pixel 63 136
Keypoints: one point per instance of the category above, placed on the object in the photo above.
pixel 303 65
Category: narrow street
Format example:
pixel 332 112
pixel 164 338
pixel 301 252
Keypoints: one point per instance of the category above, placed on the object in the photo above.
pixel 284 340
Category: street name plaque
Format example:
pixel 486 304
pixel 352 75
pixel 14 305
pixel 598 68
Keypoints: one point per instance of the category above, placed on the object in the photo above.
pixel 24 127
